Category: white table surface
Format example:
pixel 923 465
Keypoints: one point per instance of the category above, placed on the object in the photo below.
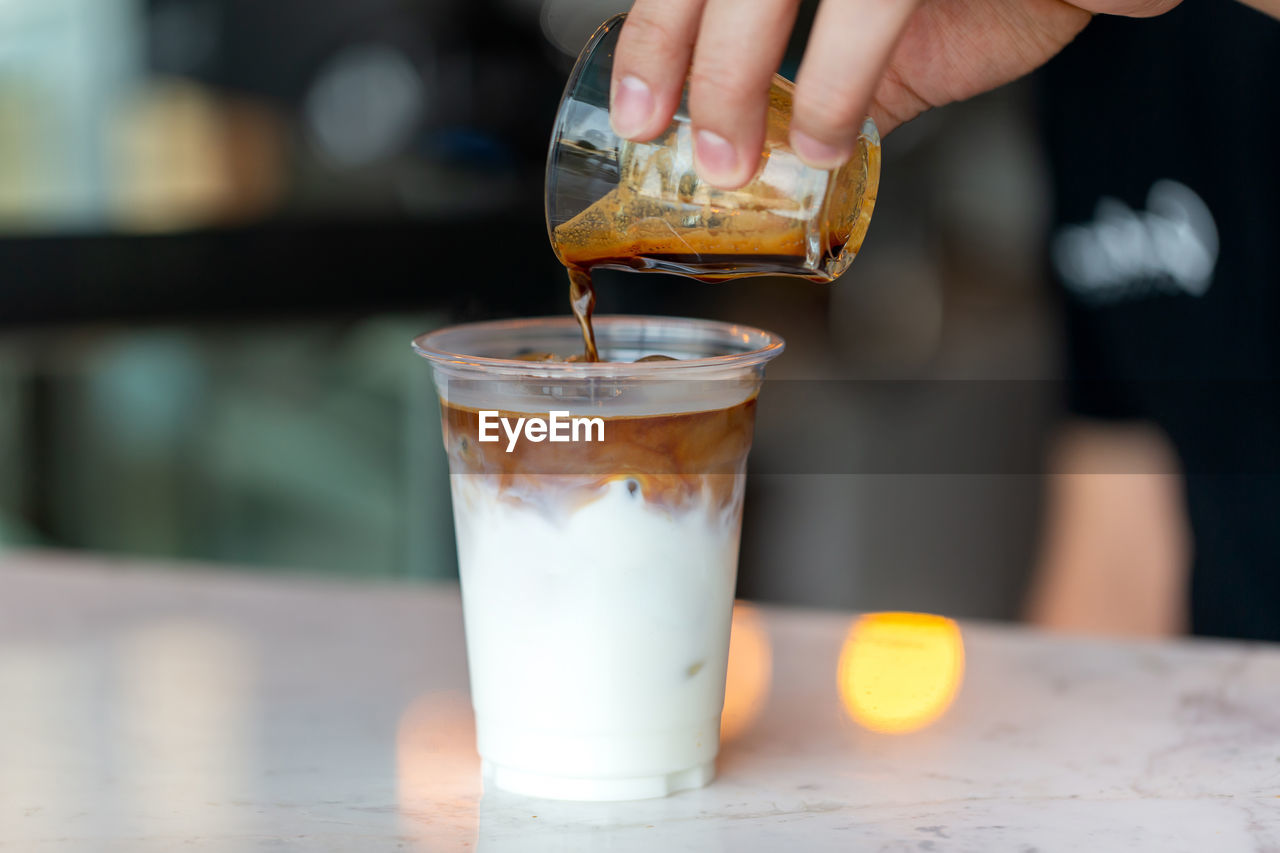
pixel 183 708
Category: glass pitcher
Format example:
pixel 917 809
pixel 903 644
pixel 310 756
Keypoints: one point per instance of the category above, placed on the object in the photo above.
pixel 640 205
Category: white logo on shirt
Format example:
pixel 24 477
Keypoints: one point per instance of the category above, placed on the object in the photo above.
pixel 1172 246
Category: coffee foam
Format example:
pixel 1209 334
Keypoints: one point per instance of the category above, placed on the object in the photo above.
pixel 541 391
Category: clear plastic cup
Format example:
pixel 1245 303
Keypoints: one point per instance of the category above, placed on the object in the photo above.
pixel 598 575
pixel 641 205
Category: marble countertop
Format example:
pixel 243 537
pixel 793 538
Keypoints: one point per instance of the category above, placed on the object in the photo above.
pixel 163 708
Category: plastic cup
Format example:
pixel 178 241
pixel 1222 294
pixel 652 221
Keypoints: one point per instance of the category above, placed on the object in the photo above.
pixel 598 573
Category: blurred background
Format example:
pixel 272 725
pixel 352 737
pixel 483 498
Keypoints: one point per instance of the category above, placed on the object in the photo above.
pixel 221 222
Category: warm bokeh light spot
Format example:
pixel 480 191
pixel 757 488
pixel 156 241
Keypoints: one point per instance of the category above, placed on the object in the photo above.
pixel 438 773
pixel 750 668
pixel 436 748
pixel 899 672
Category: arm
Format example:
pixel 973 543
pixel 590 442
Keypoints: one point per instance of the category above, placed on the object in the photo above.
pixel 1266 7
pixel 1116 545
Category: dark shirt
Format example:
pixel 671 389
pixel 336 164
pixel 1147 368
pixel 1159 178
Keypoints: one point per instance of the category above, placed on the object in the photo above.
pixel 1164 144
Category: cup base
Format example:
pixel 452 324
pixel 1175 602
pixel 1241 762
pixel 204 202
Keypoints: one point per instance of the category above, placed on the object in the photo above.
pixel 599 790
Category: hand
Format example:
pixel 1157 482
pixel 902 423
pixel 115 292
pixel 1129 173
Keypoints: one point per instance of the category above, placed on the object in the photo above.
pixel 893 59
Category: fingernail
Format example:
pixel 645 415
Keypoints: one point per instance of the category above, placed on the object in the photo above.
pixel 632 107
pixel 818 154
pixel 715 158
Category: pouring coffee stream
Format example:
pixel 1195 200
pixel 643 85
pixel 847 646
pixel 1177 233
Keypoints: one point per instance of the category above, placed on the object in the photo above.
pixel 582 299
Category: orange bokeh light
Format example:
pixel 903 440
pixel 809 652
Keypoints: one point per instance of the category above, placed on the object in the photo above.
pixel 899 672
pixel 436 748
pixel 750 670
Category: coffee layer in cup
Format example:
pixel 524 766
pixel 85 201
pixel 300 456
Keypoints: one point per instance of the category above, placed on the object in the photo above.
pixel 670 461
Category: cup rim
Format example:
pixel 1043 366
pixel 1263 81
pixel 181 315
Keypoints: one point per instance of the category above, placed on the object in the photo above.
pixel 432 346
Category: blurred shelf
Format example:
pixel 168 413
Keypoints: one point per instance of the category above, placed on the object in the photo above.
pixel 469 266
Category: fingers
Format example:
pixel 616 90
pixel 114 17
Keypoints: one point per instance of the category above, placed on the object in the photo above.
pixel 740 44
pixel 848 48
pixel 650 66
